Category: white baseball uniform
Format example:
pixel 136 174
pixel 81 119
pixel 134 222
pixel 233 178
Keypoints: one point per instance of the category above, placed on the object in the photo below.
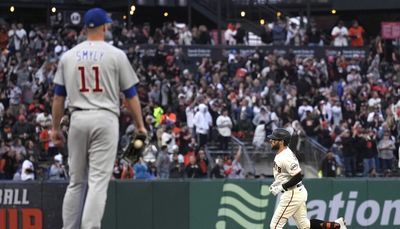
pixel 93 74
pixel 293 201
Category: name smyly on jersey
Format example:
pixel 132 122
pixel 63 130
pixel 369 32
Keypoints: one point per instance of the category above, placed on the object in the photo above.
pixel 89 55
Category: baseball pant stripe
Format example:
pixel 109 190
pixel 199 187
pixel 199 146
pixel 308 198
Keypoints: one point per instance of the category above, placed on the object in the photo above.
pixel 291 198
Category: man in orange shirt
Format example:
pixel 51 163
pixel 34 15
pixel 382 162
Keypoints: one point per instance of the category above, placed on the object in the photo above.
pixel 356 34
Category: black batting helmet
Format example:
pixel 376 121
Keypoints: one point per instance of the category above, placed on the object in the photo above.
pixel 280 134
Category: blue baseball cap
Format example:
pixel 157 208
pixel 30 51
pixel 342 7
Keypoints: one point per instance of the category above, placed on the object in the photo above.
pixel 96 17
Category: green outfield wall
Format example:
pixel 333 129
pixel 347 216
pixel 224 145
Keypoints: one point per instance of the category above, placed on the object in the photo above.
pixel 205 204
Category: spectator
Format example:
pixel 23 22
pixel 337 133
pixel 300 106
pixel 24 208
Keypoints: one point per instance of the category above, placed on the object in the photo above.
pixel 224 125
pixel 127 172
pixel 314 35
pixel 240 34
pixel 18 148
pixel 237 169
pixel 340 35
pixel 356 33
pixel 349 154
pixel 22 129
pixel 229 35
pixel 386 146
pixel 28 170
pixel 193 170
pixel 15 96
pixel 310 125
pixel 117 170
pixel 177 169
pixel 168 139
pixel 57 169
pixel 44 118
pixel 185 36
pixel 204 37
pixel 141 170
pixel 293 34
pixel 203 122
pixel 168 117
pixel 337 115
pixel 302 111
pixel 218 170
pixel 260 135
pixel 163 163
pixel 329 165
pixel 17 37
pixel 11 163
pixel 244 115
pixel 266 35
pixel 370 154
pixel 279 32
pixel 203 164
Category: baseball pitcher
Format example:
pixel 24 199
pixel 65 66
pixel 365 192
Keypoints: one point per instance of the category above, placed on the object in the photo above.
pixel 91 75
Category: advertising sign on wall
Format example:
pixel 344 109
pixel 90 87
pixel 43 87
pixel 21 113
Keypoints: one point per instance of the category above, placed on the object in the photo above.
pixel 199 204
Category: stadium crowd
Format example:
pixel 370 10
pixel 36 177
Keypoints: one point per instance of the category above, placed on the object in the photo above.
pixel 349 105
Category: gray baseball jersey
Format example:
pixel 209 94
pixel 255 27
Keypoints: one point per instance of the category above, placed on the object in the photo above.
pixel 93 73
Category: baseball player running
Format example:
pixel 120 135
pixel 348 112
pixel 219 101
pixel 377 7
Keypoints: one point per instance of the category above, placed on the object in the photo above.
pixel 91 75
pixel 288 177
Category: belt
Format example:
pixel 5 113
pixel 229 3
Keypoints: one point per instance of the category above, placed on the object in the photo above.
pixel 91 109
pixel 80 109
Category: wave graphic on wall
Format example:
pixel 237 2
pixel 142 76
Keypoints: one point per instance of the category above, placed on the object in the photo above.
pixel 242 207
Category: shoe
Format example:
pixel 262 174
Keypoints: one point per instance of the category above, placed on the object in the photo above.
pixel 341 222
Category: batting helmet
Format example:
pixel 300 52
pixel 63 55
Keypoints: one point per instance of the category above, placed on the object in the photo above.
pixel 280 134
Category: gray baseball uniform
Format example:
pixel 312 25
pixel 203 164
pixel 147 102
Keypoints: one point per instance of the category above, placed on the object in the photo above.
pixel 93 74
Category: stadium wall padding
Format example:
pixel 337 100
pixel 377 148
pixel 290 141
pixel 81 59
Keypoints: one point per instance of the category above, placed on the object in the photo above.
pixel 204 204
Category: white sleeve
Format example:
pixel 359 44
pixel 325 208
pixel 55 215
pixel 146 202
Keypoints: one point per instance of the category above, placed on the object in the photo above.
pixel 335 31
pixel 292 165
pixel 219 122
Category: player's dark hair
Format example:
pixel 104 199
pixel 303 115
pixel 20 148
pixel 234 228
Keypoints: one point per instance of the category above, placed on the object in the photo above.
pixel 286 142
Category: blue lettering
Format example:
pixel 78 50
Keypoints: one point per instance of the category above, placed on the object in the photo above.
pixel 78 56
pixel 85 54
pixel 89 55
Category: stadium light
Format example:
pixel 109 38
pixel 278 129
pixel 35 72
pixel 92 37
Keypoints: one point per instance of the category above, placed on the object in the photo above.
pixel 12 9
pixel 165 14
pixel 131 12
pixel 278 14
pixel 242 13
pixel 262 21
pixel 133 8
pixel 333 11
pixel 53 9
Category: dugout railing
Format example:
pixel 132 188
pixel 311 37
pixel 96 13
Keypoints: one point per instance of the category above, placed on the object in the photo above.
pixel 311 152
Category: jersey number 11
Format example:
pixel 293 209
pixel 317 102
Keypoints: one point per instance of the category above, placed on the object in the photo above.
pixel 97 87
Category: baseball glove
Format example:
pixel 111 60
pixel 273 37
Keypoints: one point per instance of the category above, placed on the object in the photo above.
pixel 136 146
